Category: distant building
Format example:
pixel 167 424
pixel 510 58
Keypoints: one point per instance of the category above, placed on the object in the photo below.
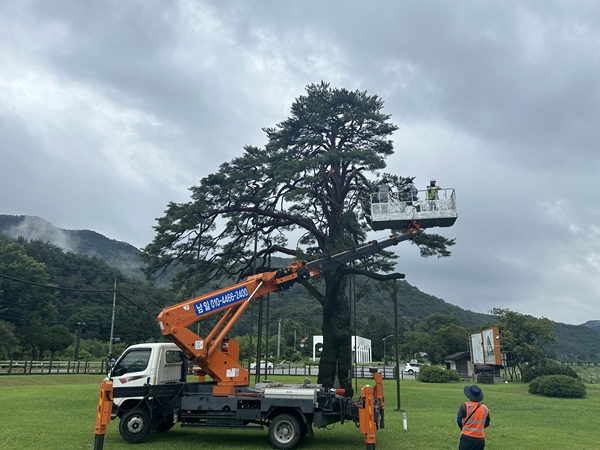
pixel 461 363
pixel 360 346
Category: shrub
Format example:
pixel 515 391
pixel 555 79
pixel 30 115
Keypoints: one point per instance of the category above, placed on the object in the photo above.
pixel 452 375
pixel 434 374
pixel 529 374
pixel 534 386
pixel 562 386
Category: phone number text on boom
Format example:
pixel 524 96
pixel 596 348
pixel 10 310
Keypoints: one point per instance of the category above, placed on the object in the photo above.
pixel 219 301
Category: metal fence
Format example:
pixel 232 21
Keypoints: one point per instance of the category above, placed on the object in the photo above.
pixel 51 367
pixel 99 367
pixel 387 372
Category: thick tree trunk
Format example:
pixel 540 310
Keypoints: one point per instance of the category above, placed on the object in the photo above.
pixel 336 357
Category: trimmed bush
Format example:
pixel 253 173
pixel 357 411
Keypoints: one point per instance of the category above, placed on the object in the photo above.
pixel 529 374
pixel 562 386
pixel 434 374
pixel 452 375
pixel 534 386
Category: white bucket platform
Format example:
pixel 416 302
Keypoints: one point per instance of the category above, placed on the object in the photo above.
pixel 389 212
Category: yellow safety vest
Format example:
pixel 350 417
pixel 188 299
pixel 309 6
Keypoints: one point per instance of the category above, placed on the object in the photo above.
pixel 432 192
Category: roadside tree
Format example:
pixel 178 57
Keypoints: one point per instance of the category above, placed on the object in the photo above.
pixel 524 338
pixel 446 341
pixel 58 338
pixel 27 305
pixel 8 340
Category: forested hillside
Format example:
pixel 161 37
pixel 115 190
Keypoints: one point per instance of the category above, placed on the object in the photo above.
pixel 37 314
pixel 120 255
pixel 35 318
pixel 375 316
pixel 592 324
pixel 576 342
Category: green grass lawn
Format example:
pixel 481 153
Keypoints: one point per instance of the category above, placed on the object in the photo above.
pixel 58 412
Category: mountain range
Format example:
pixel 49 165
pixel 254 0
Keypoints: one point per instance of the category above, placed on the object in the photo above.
pixel 120 255
pixel 413 304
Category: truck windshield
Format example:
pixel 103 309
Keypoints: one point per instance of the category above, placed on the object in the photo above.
pixel 133 361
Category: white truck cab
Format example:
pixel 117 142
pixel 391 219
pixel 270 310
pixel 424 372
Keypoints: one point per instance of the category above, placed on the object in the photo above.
pixel 147 364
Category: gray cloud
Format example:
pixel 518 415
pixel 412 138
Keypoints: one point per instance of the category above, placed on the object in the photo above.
pixel 110 110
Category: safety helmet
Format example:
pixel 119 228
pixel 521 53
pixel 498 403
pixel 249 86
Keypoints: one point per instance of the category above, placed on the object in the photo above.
pixel 432 182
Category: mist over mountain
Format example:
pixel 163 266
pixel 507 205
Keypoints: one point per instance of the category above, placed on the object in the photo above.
pixel 592 324
pixel 120 255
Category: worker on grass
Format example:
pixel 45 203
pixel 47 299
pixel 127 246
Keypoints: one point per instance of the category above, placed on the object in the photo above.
pixel 473 416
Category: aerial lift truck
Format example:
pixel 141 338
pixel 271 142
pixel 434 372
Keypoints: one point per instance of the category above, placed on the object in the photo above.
pixel 147 389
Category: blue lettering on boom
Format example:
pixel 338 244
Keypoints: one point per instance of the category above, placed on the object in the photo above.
pixel 221 300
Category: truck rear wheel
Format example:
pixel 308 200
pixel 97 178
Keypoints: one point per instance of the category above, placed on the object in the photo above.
pixel 135 425
pixel 285 431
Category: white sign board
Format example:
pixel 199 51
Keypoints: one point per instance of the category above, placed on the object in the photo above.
pixel 477 349
pixel 489 347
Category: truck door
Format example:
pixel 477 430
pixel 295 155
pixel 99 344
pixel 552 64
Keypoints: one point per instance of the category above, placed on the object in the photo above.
pixel 170 368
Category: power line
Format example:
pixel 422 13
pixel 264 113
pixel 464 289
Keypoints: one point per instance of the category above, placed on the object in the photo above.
pixel 55 287
pixel 77 290
pixel 136 305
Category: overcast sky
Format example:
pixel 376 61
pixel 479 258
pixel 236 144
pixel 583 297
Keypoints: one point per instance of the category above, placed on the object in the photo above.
pixel 111 109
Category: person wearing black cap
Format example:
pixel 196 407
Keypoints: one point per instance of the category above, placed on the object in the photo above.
pixel 411 192
pixel 473 416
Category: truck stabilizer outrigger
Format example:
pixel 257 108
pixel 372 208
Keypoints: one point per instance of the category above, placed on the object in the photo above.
pixel 146 399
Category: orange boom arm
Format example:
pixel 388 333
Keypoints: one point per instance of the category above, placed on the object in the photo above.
pixel 216 355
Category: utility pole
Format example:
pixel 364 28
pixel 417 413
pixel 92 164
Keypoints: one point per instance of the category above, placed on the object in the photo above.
pixel 397 361
pixel 259 342
pixel 112 322
pixel 353 302
pixel 384 339
pixel 250 348
pixel 267 332
pixel 78 340
pixel 279 339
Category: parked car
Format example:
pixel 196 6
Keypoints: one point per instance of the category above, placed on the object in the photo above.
pixel 412 367
pixel 262 365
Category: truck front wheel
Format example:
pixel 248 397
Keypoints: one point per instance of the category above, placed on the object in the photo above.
pixel 285 431
pixel 135 425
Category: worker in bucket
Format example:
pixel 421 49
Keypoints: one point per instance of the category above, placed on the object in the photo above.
pixel 411 191
pixel 383 191
pixel 432 195
pixel 472 418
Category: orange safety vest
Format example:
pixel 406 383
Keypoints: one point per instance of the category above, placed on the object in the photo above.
pixel 476 423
